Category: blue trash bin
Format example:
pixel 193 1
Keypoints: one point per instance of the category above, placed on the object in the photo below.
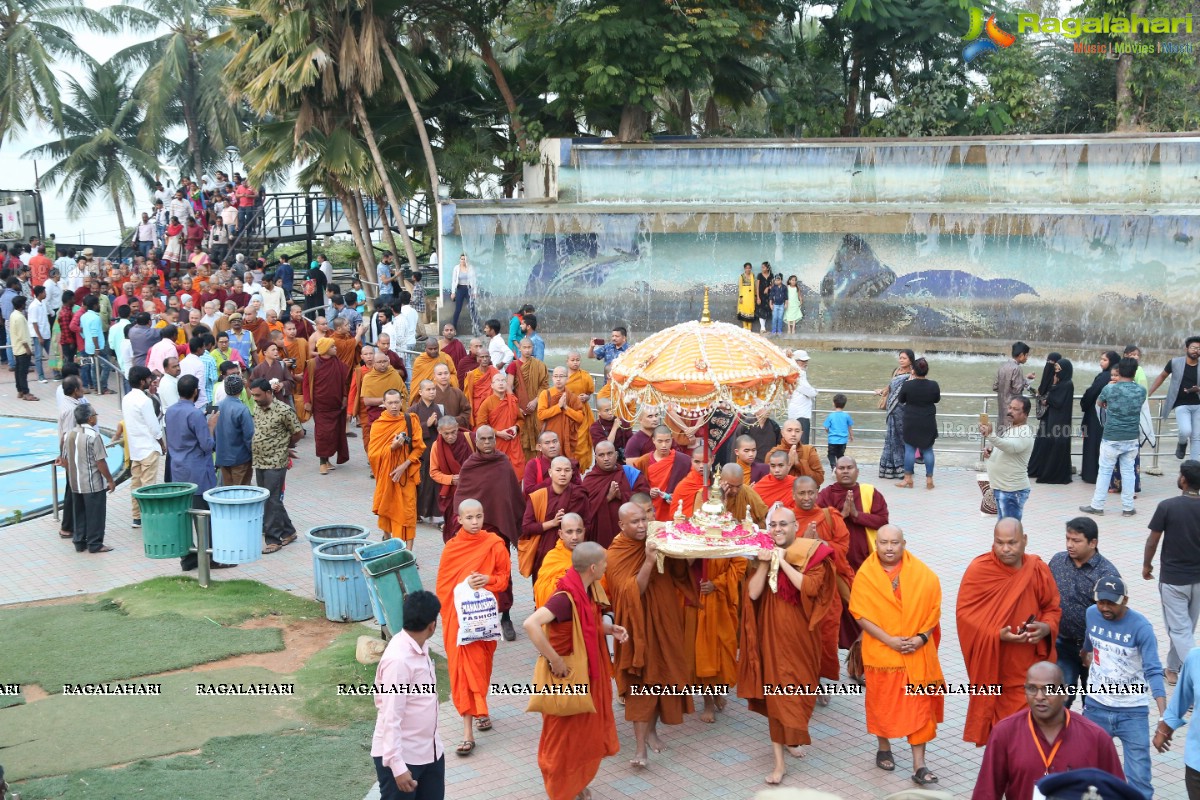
pixel 391 575
pixel 368 553
pixel 343 584
pixel 330 533
pixel 237 522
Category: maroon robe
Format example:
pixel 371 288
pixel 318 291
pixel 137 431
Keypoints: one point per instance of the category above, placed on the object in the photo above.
pixel 833 497
pixel 465 366
pixel 572 500
pixel 398 365
pixel 639 444
pixel 457 352
pixel 490 480
pixel 451 457
pixel 602 428
pixel 326 391
pixel 427 489
pixel 600 520
pixel 537 474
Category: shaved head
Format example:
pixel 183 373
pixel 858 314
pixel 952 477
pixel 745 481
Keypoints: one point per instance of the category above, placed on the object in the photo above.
pixel 587 554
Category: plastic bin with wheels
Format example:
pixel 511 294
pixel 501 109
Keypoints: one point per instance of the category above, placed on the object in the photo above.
pixel 373 551
pixel 237 522
pixel 342 582
pixel 393 575
pixel 166 525
pixel 330 533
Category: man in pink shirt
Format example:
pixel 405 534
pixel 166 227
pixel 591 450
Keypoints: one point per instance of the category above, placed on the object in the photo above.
pixel 410 760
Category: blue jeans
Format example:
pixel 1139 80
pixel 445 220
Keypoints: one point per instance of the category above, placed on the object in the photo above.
pixel 1008 504
pixel 1132 727
pixel 90 371
pixel 1188 420
pixel 910 459
pixel 1112 453
pixel 1071 665
pixel 777 319
pixel 144 248
pixel 40 354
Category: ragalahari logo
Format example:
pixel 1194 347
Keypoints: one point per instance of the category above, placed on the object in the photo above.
pixel 996 38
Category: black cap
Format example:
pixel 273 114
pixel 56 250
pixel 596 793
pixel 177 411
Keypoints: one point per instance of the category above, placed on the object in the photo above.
pixel 1110 588
pixel 1086 784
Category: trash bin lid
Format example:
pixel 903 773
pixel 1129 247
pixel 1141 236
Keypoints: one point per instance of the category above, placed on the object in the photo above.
pixel 164 491
pixel 236 495
pixel 339 550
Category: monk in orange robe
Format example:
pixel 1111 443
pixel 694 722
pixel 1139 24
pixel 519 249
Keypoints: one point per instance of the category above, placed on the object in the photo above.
pixel 297 350
pixel 527 378
pixel 423 364
pixel 354 408
pixel 347 344
pixel 375 384
pixel 780 639
pixel 560 411
pixel 897 601
pixel 558 560
pixel 544 512
pixel 745 450
pixel 477 384
pixel 803 459
pixel 395 456
pixel 1008 615
pixel 776 487
pixel 501 412
pixel 828 526
pixel 481 560
pixel 664 467
pixel 572 747
pixel 687 488
pixel 581 384
pixel 658 653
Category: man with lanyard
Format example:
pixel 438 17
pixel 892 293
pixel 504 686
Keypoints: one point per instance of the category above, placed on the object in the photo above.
pixel 1183 396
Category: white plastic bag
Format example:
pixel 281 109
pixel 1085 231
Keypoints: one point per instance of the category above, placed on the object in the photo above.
pixel 478 615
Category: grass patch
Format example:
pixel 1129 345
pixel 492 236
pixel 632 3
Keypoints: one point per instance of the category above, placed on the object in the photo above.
pixel 291 764
pixel 225 602
pixel 95 643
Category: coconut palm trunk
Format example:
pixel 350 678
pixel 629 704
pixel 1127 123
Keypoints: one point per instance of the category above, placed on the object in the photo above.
pixel 373 146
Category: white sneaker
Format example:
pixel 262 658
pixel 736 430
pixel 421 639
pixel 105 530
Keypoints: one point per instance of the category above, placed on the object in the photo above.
pixel 42 380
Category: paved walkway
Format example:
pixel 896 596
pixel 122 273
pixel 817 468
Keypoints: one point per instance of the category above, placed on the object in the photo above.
pixel 725 760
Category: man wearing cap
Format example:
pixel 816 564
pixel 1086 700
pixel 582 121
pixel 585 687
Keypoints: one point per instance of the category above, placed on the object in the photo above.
pixel 240 339
pixel 800 404
pixel 1122 655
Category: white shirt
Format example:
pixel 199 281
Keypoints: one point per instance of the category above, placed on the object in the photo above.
pixel 498 350
pixel 404 329
pixel 75 277
pixel 162 195
pixel 142 430
pixel 192 365
pixel 229 215
pixel 38 318
pixel 146 231
pixel 168 391
pixel 180 209
pixel 327 268
pixel 210 320
pixel 800 404
pixel 53 295
pixel 272 299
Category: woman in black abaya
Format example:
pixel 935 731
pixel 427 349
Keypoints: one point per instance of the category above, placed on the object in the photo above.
pixel 1092 427
pixel 1052 448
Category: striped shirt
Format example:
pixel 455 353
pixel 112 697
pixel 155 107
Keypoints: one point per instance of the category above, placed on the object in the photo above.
pixel 84 450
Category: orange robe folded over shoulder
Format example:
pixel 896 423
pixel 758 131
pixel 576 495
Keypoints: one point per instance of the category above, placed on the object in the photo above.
pixel 502 414
pixel 580 384
pixel 470 665
pixel 992 595
pixel 717 620
pixel 395 501
pixel 831 528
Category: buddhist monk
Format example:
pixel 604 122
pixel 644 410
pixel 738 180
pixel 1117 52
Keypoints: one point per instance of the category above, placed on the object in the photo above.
pixel 477 384
pixel 527 378
pixel 1008 614
pixel 641 441
pixel 354 405
pixel 320 331
pixel 776 487
pixel 452 347
pixel 664 468
pixel 572 747
pixel 383 343
pixel 375 384
pixel 537 470
pixel 686 489
pixel 607 427
pixel 296 349
pixel 395 455
pixel 487 476
pixel 803 459
pixel 646 603
pixel 556 563
pixel 324 394
pixel 780 639
pixel 423 364
pixel 828 526
pixel 347 345
pixel 745 450
pixel 560 411
pixel 580 383
pixel 501 413
pixel 479 558
pixel 897 601
pixel 544 512
pixel 428 414
pixel 864 510
pixel 606 488
pixel 447 454
pixel 452 400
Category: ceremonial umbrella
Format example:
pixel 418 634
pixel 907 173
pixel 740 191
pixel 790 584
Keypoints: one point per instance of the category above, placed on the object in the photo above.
pixel 694 369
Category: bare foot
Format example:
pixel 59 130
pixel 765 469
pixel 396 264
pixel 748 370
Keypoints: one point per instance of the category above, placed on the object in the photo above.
pixel 775 778
pixel 796 751
pixel 708 715
pixel 638 761
pixel 822 700
pixel 721 702
pixel 929 483
pixel 655 743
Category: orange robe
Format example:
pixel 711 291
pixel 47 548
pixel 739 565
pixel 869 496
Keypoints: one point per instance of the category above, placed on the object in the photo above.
pixel 470 665
pixel 423 370
pixel 658 653
pixel 780 644
pixel 348 349
pixel 477 386
pixel 990 596
pixel 395 502
pixel 831 528
pixel 717 621
pixel 808 462
pixel 298 349
pixel 565 422
pixel 375 384
pixel 501 414
pixel 554 566
pixel 686 491
pixel 580 383
pixel 912 606
pixel 772 491
pixel 664 474
pixel 530 378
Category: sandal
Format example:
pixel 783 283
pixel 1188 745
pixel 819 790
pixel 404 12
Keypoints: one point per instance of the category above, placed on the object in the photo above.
pixel 465 748
pixel 924 777
pixel 285 541
pixel 483 723
pixel 884 760
pixel 272 548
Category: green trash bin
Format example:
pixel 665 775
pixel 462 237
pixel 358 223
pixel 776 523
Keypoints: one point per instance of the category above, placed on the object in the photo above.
pixel 392 576
pixel 166 524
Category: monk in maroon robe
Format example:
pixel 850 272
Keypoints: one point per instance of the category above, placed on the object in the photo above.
pixel 606 488
pixel 452 346
pixel 544 510
pixel 537 470
pixel 664 468
pixel 449 451
pixel 325 389
pixel 608 427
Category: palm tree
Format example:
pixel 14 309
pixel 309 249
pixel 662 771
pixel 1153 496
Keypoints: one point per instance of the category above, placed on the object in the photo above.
pixel 31 41
pixel 182 77
pixel 99 151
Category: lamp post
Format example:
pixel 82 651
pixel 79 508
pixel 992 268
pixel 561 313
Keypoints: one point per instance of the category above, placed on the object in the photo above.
pixel 231 152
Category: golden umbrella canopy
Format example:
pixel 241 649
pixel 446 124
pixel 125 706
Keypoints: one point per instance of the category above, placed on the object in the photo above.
pixel 695 368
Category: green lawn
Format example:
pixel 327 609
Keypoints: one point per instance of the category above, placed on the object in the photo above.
pixel 224 602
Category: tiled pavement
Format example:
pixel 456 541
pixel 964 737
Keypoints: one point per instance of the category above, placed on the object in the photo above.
pixel 726 760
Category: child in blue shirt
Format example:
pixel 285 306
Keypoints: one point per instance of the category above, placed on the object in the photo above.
pixel 839 430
